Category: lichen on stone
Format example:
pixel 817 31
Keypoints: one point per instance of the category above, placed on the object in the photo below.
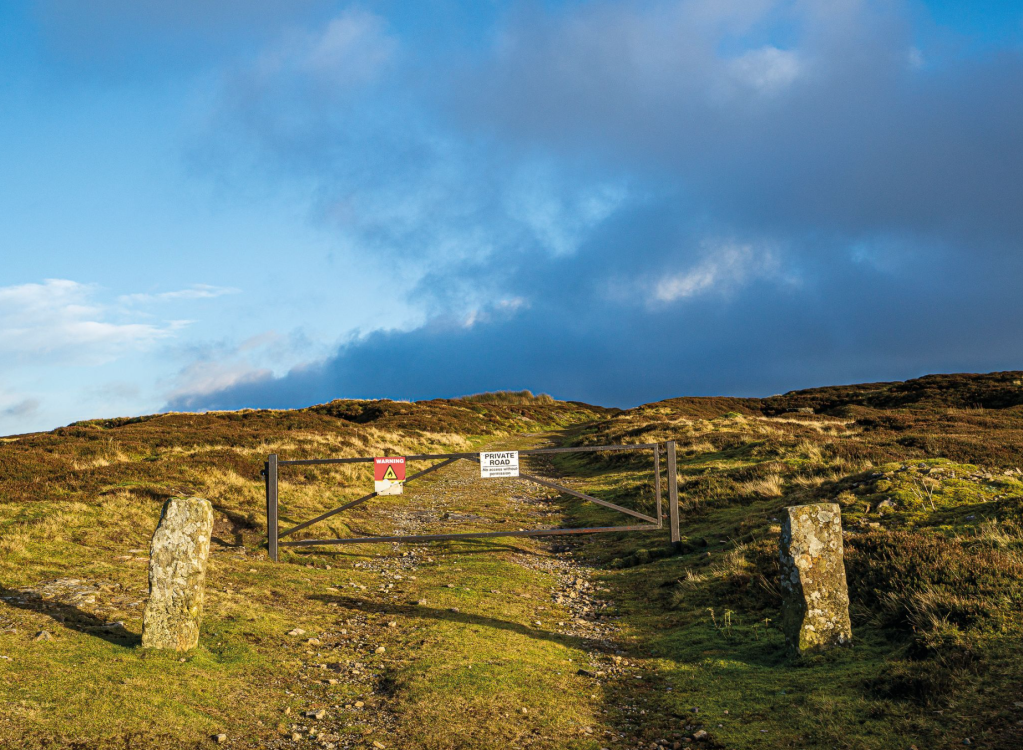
pixel 177 574
pixel 815 598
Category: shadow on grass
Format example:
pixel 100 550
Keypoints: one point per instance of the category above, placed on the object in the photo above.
pixel 463 618
pixel 220 542
pixel 70 617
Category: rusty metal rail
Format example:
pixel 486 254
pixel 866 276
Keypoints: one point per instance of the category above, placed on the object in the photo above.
pixel 275 535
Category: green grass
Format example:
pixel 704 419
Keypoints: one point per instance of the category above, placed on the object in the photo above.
pixel 937 602
pixel 935 583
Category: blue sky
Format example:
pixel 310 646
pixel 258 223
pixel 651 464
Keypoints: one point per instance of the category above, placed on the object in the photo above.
pixel 232 204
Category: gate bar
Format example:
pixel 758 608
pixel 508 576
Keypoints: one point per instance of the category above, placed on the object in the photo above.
pixel 274 534
pixel 435 456
pixel 481 535
pixel 605 503
pixel 362 499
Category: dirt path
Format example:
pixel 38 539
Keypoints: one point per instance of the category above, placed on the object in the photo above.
pixel 522 612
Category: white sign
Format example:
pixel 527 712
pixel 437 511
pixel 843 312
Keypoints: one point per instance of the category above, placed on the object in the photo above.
pixel 499 464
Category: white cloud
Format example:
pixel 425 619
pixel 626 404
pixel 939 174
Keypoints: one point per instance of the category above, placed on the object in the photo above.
pixel 725 267
pixel 215 366
pixel 559 215
pixel 351 50
pixel 59 322
pixel 915 58
pixel 196 291
pixel 767 69
pixel 205 377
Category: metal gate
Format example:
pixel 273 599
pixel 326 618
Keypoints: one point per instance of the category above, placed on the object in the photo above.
pixel 275 535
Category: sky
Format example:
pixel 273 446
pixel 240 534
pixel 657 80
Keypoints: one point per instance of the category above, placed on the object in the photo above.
pixel 281 202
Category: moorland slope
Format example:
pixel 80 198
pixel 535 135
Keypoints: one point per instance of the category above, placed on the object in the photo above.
pixel 610 641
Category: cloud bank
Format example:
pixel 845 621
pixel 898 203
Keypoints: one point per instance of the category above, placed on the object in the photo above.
pixel 626 201
pixel 59 321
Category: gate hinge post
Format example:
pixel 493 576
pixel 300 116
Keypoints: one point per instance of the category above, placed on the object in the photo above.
pixel 270 473
pixel 676 539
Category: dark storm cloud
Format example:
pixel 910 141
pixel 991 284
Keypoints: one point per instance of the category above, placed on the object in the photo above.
pixel 738 197
pixel 843 322
pixel 851 128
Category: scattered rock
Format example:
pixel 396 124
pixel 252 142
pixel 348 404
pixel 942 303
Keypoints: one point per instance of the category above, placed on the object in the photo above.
pixel 42 635
pixel 177 574
pixel 316 714
pixel 700 735
pixel 380 649
pixel 886 506
pixel 585 673
pixel 296 632
pixel 220 739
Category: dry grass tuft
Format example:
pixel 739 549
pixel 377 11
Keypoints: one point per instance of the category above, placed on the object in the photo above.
pixel 769 486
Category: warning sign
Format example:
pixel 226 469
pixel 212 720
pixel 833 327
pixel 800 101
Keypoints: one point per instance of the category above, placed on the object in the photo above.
pixel 499 464
pixel 389 475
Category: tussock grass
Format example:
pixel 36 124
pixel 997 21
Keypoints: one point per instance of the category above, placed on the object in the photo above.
pixel 769 486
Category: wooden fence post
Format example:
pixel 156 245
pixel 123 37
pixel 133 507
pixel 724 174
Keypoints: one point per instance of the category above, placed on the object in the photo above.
pixel 271 506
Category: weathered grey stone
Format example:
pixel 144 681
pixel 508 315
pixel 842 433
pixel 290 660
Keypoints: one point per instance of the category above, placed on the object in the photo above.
pixel 815 600
pixel 177 574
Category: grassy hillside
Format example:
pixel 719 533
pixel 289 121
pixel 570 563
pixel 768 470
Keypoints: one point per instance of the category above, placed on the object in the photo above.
pixel 78 507
pixel 611 641
pixel 928 476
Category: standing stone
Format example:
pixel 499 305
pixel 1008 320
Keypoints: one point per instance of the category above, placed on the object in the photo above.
pixel 815 600
pixel 177 574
